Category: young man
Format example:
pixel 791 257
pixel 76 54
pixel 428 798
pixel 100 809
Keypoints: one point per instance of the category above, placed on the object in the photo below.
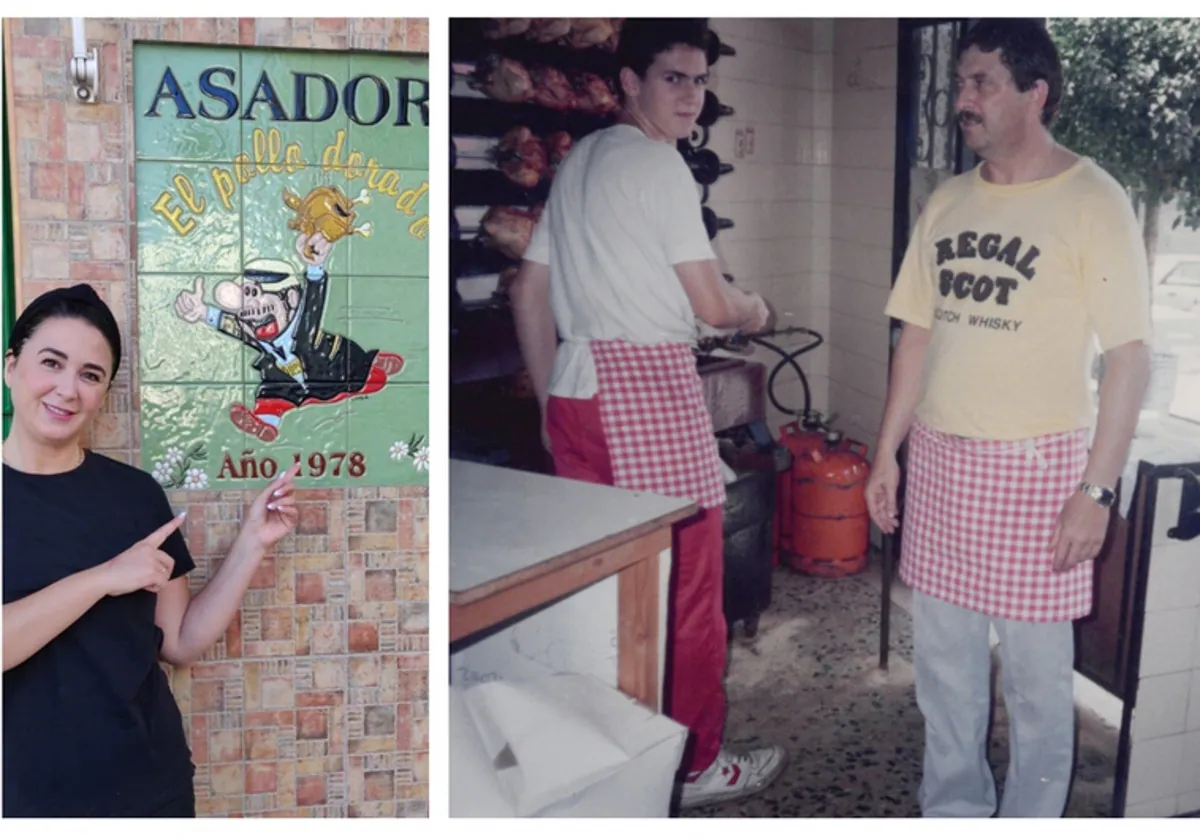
pixel 620 267
pixel 1013 273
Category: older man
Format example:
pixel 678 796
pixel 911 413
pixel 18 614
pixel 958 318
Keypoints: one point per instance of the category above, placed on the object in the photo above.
pixel 1015 271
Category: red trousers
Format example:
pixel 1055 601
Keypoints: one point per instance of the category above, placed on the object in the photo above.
pixel 696 637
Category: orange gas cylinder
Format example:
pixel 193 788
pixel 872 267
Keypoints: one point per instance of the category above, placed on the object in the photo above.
pixel 799 439
pixel 830 524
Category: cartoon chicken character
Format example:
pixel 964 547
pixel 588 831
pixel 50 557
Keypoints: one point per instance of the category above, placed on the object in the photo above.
pixel 326 210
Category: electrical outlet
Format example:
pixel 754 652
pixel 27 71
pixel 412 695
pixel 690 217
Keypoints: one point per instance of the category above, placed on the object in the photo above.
pixel 749 141
pixel 739 144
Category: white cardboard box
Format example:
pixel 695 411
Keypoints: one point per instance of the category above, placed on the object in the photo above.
pixel 560 746
pixel 576 635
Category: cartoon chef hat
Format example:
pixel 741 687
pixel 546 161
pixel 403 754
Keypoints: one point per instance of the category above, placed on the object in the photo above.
pixel 271 275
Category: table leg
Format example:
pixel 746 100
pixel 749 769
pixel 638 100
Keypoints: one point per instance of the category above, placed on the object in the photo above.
pixel 885 606
pixel 637 633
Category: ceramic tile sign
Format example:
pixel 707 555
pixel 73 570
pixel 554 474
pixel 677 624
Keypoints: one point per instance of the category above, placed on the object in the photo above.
pixel 282 260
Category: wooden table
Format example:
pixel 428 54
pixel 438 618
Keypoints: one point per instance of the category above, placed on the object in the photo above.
pixel 521 540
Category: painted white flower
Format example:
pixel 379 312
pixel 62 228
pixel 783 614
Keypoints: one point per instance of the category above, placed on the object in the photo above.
pixel 196 479
pixel 174 455
pixel 161 473
pixel 421 459
pixel 399 451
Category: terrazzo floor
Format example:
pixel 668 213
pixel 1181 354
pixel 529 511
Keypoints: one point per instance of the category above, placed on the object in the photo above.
pixel 810 680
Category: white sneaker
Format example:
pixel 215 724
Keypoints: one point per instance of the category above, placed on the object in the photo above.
pixel 733 776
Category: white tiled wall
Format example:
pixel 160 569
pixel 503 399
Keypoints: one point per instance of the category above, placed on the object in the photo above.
pixel 778 196
pixel 1164 776
pixel 813 203
pixel 1156 808
pixel 860 212
pixel 1162 706
pixel 1154 770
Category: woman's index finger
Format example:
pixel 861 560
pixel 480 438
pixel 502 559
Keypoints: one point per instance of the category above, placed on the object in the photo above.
pixel 159 535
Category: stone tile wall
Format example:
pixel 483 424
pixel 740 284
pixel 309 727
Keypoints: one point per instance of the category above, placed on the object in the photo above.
pixel 316 701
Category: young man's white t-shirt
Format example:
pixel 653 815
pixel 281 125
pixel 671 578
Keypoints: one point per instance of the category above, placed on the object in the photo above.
pixel 622 212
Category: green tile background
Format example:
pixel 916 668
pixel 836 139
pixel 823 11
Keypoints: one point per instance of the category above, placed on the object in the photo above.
pixel 172 350
pixel 408 254
pixel 378 422
pixel 392 313
pixel 372 142
pixel 213 244
pixel 169 136
pixel 191 417
pixel 378 294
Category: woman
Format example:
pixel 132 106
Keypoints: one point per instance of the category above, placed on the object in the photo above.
pixel 95 588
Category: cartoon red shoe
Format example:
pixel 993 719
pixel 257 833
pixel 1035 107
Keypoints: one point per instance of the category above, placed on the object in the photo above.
pixel 385 365
pixel 258 422
pixel 390 363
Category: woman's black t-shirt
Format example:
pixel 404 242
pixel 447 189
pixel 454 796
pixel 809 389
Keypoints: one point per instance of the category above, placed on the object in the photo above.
pixel 90 725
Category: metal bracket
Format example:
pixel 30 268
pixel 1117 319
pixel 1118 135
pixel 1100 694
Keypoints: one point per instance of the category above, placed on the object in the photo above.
pixel 1188 526
pixel 85 66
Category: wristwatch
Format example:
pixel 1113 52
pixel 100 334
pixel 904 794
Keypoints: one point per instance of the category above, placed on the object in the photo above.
pixel 1103 496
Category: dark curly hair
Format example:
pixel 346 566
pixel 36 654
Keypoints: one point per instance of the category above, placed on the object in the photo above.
pixel 644 39
pixel 1026 50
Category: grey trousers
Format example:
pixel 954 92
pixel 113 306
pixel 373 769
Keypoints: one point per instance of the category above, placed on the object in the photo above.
pixel 953 672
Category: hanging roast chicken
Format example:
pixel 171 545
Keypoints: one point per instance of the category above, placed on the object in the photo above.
pixel 593 95
pixel 612 43
pixel 558 143
pixel 508 229
pixel 503 79
pixel 508 80
pixel 592 32
pixel 522 156
pixel 495 29
pixel 576 33
pixel 551 89
pixel 548 30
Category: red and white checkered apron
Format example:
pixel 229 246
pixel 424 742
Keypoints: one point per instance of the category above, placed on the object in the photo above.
pixel 978 520
pixel 656 423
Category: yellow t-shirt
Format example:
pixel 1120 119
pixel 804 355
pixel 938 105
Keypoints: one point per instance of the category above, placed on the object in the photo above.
pixel 1016 282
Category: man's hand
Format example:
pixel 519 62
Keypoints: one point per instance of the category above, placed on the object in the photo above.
pixel 760 318
pixel 718 303
pixel 190 305
pixel 314 249
pixel 1079 533
pixel 882 487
